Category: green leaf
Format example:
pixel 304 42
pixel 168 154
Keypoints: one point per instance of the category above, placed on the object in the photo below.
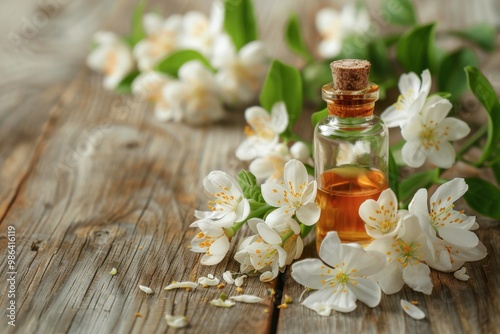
pixel 239 22
pixel 318 116
pixel 249 186
pixel 483 34
pixel 496 171
pixel 451 77
pixel 409 186
pixel 137 31
pixel 415 50
pixel 484 92
pixel 393 174
pixel 444 95
pixel 171 64
pixel 353 47
pixel 294 39
pixel 125 86
pixel 382 69
pixel 283 83
pixel 314 76
pixel 482 197
pixel 398 12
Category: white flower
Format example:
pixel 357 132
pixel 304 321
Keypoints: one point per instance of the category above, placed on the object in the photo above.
pixel 442 220
pixel 382 217
pixel 228 204
pixel 200 32
pixel 146 289
pixel 428 134
pixel 181 285
pixel 111 56
pixel 412 310
pixel 343 280
pixel 149 86
pixel 250 299
pixel 176 321
pixel 195 95
pixel 212 241
pixel 162 37
pixel 240 74
pixel 270 167
pixel 113 272
pixel 210 280
pixel 413 96
pixel 334 26
pixel 349 154
pixel 294 196
pixel 405 255
pixel 262 252
pixel 461 275
pixel 264 130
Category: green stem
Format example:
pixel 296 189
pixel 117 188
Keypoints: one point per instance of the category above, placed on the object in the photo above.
pixel 472 141
pixel 259 213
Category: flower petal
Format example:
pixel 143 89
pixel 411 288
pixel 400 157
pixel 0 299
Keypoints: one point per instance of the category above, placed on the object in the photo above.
pixel 295 174
pixel 222 303
pixel 176 321
pixel 394 117
pixel 311 273
pixel 456 129
pixel 279 215
pixel 367 291
pixel 146 289
pixel 273 194
pixel 250 299
pixel 268 234
pixel 417 276
pixel 413 153
pixel 412 310
pixel 279 117
pixel 450 191
pixel 181 285
pixel 227 276
pixel 329 249
pixel 459 237
pixel 390 279
pixel 461 275
pixel 308 214
pixel 444 156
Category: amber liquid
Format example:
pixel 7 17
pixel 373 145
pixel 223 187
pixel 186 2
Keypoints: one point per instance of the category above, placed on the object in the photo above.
pixel 341 192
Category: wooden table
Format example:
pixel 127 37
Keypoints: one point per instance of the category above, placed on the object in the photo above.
pixel 90 181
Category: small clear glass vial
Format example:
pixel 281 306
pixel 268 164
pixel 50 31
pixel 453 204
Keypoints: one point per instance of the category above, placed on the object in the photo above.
pixel 350 152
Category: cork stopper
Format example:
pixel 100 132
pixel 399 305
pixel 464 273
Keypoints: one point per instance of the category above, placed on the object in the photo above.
pixel 350 74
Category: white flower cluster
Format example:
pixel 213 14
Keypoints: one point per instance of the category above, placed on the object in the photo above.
pixel 423 123
pixel 334 26
pixel 276 241
pixel 201 89
pixel 263 145
pixel 406 245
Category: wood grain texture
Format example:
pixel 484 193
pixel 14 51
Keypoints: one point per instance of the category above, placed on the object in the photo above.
pixel 92 182
pixel 112 189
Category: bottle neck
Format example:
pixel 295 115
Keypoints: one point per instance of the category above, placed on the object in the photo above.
pixel 350 104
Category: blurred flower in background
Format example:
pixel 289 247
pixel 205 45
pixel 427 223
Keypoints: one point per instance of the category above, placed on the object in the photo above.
pixel 334 26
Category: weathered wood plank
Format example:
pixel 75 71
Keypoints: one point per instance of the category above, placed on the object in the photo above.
pixel 111 188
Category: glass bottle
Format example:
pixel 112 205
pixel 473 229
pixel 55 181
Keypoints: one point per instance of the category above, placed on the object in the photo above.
pixel 350 152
